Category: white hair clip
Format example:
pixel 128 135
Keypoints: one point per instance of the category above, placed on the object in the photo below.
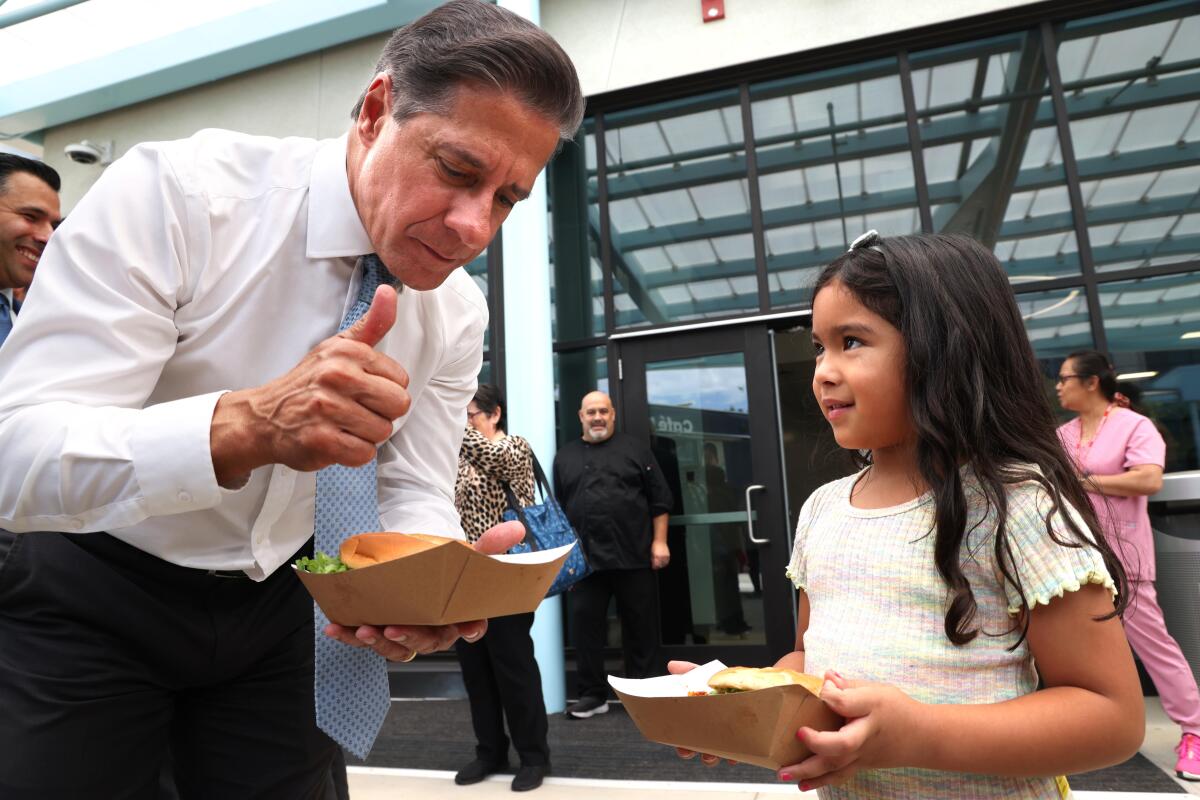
pixel 869 239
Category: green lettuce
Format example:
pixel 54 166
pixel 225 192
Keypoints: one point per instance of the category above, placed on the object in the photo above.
pixel 321 564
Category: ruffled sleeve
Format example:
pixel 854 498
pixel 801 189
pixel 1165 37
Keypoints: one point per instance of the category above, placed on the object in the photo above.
pixel 797 571
pixel 1046 568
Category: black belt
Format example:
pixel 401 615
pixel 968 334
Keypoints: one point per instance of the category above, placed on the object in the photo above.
pixel 225 573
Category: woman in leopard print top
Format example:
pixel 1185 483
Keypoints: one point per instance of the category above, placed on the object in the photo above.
pixel 499 671
pixel 488 457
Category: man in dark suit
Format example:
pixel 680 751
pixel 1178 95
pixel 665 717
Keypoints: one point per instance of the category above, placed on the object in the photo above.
pixel 29 213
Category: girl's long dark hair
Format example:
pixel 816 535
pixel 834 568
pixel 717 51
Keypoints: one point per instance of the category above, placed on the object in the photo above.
pixel 975 391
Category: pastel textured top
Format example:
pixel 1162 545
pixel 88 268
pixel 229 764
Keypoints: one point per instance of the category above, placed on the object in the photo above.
pixel 877 607
pixel 1125 439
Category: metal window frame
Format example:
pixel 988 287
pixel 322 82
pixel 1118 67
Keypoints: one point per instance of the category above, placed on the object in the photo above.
pixel 1040 17
pixel 921 183
pixel 757 232
pixel 497 353
pixel 1071 172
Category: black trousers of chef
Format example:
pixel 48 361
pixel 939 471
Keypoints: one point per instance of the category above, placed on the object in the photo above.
pixel 109 656
pixel 503 681
pixel 637 607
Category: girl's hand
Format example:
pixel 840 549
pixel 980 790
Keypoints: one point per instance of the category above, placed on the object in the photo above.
pixel 880 723
pixel 679 668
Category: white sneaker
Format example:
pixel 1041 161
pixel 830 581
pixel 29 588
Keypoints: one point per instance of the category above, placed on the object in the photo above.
pixel 587 707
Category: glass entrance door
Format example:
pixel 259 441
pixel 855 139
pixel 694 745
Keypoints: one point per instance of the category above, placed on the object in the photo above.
pixel 707 404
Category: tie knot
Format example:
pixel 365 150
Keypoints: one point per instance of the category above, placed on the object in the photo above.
pixel 375 273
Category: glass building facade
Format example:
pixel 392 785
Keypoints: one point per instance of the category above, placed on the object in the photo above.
pixel 1069 147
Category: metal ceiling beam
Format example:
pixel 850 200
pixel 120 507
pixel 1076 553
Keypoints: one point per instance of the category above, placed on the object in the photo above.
pixel 34 11
pixel 674 174
pixel 229 46
pixel 1090 169
pixel 1137 251
pixel 992 176
pixel 629 276
pixel 1133 211
pixel 647 282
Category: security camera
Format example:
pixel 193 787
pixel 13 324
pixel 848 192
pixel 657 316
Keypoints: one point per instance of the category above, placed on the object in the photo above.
pixel 86 152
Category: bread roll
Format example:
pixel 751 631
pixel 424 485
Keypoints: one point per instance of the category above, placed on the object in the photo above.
pixel 747 679
pixel 367 549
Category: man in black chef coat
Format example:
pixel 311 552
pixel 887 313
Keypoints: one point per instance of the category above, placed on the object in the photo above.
pixel 617 499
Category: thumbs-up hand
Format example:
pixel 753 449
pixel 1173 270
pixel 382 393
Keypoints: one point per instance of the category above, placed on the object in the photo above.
pixel 379 319
pixel 334 407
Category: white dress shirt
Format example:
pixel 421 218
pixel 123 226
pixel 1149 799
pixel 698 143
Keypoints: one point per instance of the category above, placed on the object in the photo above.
pixel 193 268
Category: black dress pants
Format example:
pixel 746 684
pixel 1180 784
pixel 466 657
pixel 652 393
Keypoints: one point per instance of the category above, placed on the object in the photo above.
pixel 503 681
pixel 110 656
pixel 638 610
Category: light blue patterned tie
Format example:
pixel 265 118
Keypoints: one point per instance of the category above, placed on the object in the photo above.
pixel 351 683
pixel 5 319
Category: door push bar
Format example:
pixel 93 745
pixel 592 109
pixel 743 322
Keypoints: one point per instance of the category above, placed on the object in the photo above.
pixel 750 513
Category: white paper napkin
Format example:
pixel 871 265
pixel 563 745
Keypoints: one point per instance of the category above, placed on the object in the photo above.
pixel 536 557
pixel 668 685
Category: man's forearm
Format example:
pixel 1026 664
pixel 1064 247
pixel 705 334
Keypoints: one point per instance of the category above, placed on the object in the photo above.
pixel 235 453
pixel 660 528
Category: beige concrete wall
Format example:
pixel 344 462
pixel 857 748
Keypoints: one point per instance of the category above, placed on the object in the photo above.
pixel 621 43
pixel 307 96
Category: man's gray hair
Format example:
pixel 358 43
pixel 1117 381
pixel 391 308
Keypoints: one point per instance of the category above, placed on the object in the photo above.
pixel 475 42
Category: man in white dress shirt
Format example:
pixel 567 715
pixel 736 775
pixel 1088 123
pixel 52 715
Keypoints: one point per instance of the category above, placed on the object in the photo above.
pixel 181 381
pixel 29 212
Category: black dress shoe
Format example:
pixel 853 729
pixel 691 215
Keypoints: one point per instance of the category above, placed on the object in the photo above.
pixel 477 770
pixel 529 776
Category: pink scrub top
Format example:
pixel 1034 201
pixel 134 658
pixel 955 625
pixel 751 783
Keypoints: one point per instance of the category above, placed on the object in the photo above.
pixel 1126 439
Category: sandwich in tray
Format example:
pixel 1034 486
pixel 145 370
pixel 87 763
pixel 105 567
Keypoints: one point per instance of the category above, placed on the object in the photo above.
pixel 386 578
pixel 746 714
pixel 369 549
pixel 749 679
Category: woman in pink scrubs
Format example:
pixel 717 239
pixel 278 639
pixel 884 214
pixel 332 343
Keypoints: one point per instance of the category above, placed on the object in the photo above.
pixel 1120 456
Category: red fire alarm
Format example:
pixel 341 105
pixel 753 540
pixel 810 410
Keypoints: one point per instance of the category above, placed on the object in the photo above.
pixel 712 10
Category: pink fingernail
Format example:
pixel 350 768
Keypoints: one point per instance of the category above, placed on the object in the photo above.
pixel 785 776
pixel 800 734
pixel 804 787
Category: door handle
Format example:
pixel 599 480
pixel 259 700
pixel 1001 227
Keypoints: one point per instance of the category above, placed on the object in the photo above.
pixel 751 489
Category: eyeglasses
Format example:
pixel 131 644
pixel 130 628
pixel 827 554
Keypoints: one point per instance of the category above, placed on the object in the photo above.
pixel 1064 378
pixel 471 414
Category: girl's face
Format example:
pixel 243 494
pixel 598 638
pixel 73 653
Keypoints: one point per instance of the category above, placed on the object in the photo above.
pixel 1075 393
pixel 859 381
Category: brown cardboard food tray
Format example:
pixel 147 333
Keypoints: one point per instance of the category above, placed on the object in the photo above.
pixel 756 727
pixel 443 585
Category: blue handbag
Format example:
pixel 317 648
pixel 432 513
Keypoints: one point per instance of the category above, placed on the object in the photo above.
pixel 547 527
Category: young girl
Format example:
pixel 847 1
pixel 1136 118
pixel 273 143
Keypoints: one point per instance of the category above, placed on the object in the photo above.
pixel 963 554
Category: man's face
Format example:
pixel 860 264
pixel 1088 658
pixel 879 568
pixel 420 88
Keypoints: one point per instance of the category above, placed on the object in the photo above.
pixel 29 213
pixel 433 190
pixel 597 417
